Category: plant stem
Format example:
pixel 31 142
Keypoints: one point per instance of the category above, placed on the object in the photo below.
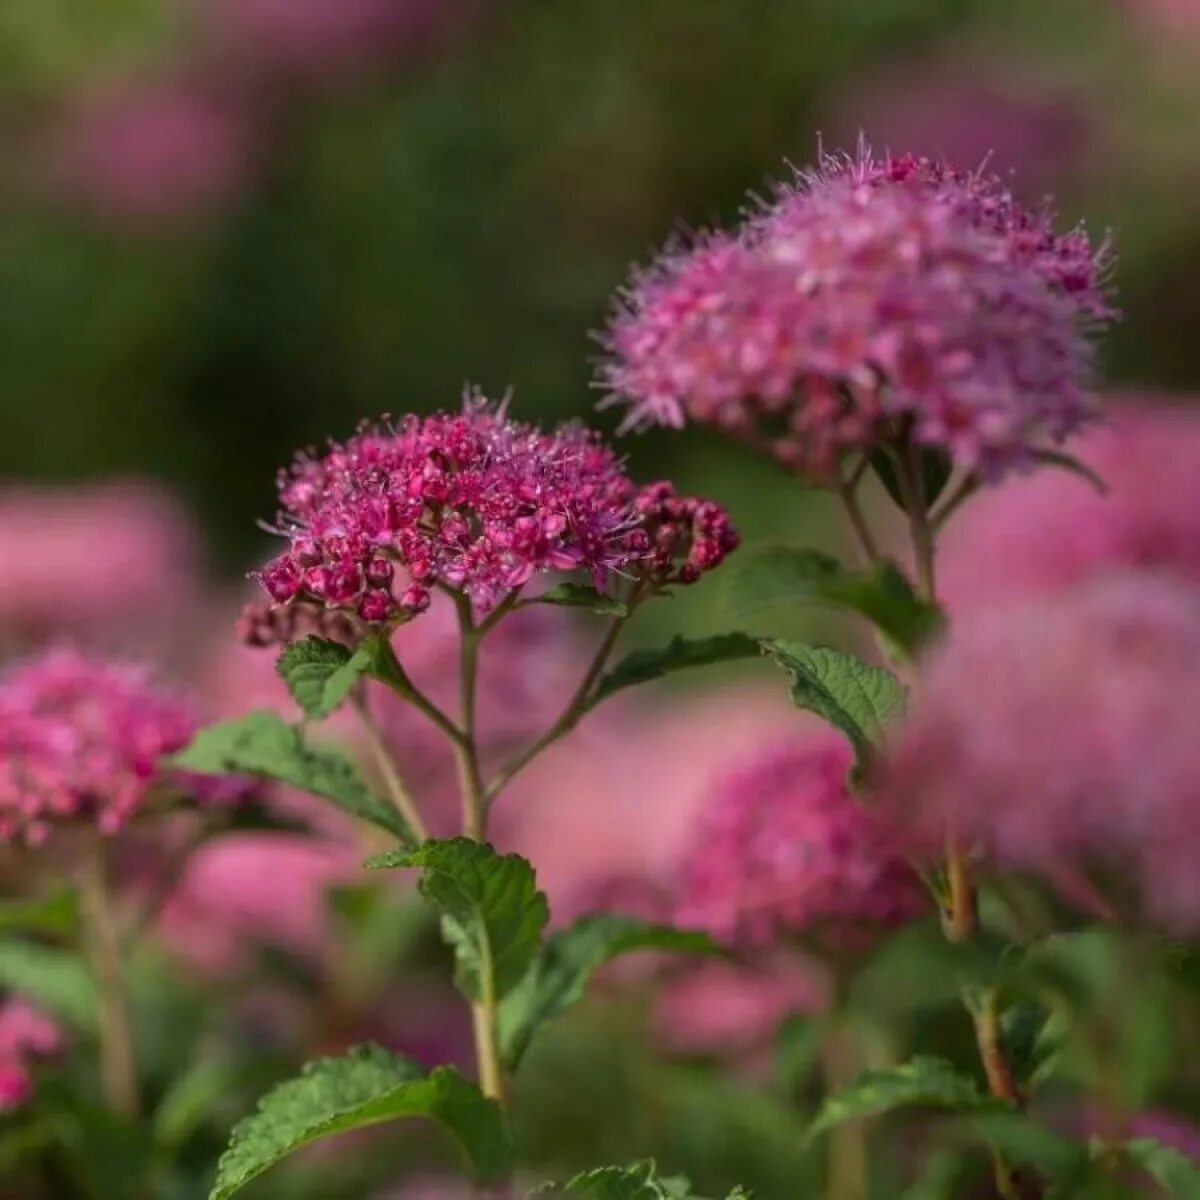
pixel 475 811
pixel 570 715
pixel 402 798
pixel 960 917
pixel 118 1065
pixel 847 491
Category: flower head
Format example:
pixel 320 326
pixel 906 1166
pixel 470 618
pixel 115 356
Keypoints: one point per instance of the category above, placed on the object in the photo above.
pixel 784 849
pixel 478 502
pixel 81 740
pixel 105 561
pixel 871 291
pixel 1041 536
pixel 1058 736
pixel 158 154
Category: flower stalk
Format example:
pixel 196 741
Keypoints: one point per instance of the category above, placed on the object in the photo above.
pixel 118 1062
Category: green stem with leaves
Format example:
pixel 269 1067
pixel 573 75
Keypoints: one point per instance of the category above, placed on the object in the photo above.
pixel 401 797
pixel 475 814
pixel 118 1063
pixel 571 714
pixel 960 906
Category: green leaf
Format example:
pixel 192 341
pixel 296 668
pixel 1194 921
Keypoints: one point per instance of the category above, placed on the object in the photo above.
pixel 1025 1143
pixel 1068 462
pixel 679 654
pixel 936 467
pixel 851 695
pixel 641 1181
pixel 578 595
pixel 771 576
pixel 366 1086
pixel 923 1082
pixel 56 915
pixel 1179 1175
pixel 560 974
pixel 53 979
pixel 263 743
pixel 492 913
pixel 319 673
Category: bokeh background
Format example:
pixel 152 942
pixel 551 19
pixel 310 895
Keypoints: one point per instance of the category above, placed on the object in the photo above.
pixel 232 228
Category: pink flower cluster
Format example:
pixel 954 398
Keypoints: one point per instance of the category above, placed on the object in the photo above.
pixel 88 558
pixel 1039 536
pixel 871 289
pixel 157 153
pixel 81 740
pixel 784 849
pixel 1059 736
pixel 477 502
pixel 26 1035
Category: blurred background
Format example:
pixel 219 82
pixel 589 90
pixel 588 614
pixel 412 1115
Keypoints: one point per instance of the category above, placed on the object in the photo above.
pixel 232 228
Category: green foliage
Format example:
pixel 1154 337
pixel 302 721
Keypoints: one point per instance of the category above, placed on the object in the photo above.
pixel 1027 1038
pixel 641 1181
pixel 263 743
pixel 1068 462
pixel 851 695
pixel 934 464
pixel 922 1082
pixel 772 576
pixel 642 666
pixel 54 979
pixel 560 973
pixel 56 915
pixel 1177 1174
pixel 366 1086
pixel 492 913
pixel 578 595
pixel 319 673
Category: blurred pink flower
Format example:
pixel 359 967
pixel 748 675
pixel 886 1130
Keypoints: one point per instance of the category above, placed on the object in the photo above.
pixel 1059 736
pixel 158 153
pixel 783 851
pixel 81 742
pixel 26 1035
pixel 1036 536
pixel 318 38
pixel 114 562
pixel 609 814
pixel 734 1009
pixel 1168 16
pixel 1036 126
pixel 251 890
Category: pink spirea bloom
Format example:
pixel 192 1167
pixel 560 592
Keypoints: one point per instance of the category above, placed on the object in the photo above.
pixel 314 39
pixel 103 560
pixel 783 848
pixel 1040 126
pixel 1037 536
pixel 1059 735
pixel 250 890
pixel 80 741
pixel 870 289
pixel 479 502
pixel 159 153
pixel 26 1035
